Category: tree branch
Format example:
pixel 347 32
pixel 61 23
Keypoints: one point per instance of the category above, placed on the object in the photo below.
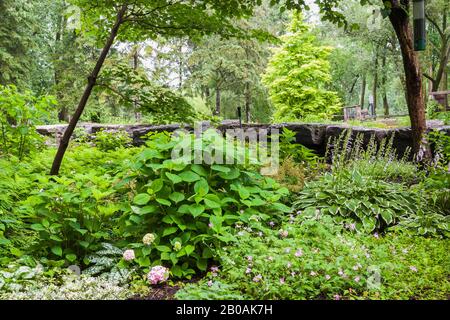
pixel 428 77
pixel 435 25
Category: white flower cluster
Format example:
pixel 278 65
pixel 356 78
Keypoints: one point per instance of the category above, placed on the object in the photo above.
pixel 73 288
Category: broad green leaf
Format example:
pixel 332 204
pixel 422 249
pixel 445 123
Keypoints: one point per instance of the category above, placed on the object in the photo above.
pixel 57 250
pixel 71 257
pixel 176 197
pixel 173 177
pixel 196 209
pixel 189 176
pixel 201 187
pixel 217 167
pixel 141 199
pixel 169 231
pixel 164 202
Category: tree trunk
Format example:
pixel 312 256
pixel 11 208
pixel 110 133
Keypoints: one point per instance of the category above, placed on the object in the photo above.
pixel 135 67
pixel 363 92
pixel 445 87
pixel 383 84
pixel 87 92
pixel 248 101
pixel 414 94
pixel 375 84
pixel 63 113
pixel 217 111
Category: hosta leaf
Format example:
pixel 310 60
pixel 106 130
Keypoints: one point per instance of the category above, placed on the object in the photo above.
pixel 387 216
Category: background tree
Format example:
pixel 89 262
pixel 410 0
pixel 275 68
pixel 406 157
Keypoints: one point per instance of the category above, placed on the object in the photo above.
pixel 297 74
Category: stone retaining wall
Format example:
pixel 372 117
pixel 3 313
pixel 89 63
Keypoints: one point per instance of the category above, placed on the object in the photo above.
pixel 314 136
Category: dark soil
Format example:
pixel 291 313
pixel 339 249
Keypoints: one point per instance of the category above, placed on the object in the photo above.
pixel 165 291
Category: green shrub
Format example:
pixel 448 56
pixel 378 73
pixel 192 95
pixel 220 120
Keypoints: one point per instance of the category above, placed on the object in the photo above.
pixel 291 175
pixel 190 208
pixel 112 140
pixel 319 260
pixel 298 152
pixel 19 114
pixel 71 215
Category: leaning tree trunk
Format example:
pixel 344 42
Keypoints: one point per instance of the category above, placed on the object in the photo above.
pixel 414 92
pixel 92 79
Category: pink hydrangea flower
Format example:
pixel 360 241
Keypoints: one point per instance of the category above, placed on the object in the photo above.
pixel 128 255
pixel 158 274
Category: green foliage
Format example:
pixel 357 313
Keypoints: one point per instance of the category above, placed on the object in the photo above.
pixel 378 160
pixel 216 291
pixel 318 260
pixel 191 207
pixel 353 197
pixel 71 215
pixel 112 140
pixel 297 74
pixel 136 91
pixel 104 263
pixel 35 283
pixel 292 175
pixel 441 143
pixel 19 114
pixel 298 152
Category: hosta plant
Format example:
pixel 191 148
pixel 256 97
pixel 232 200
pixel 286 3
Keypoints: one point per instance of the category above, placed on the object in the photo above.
pixel 357 201
pixel 190 208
